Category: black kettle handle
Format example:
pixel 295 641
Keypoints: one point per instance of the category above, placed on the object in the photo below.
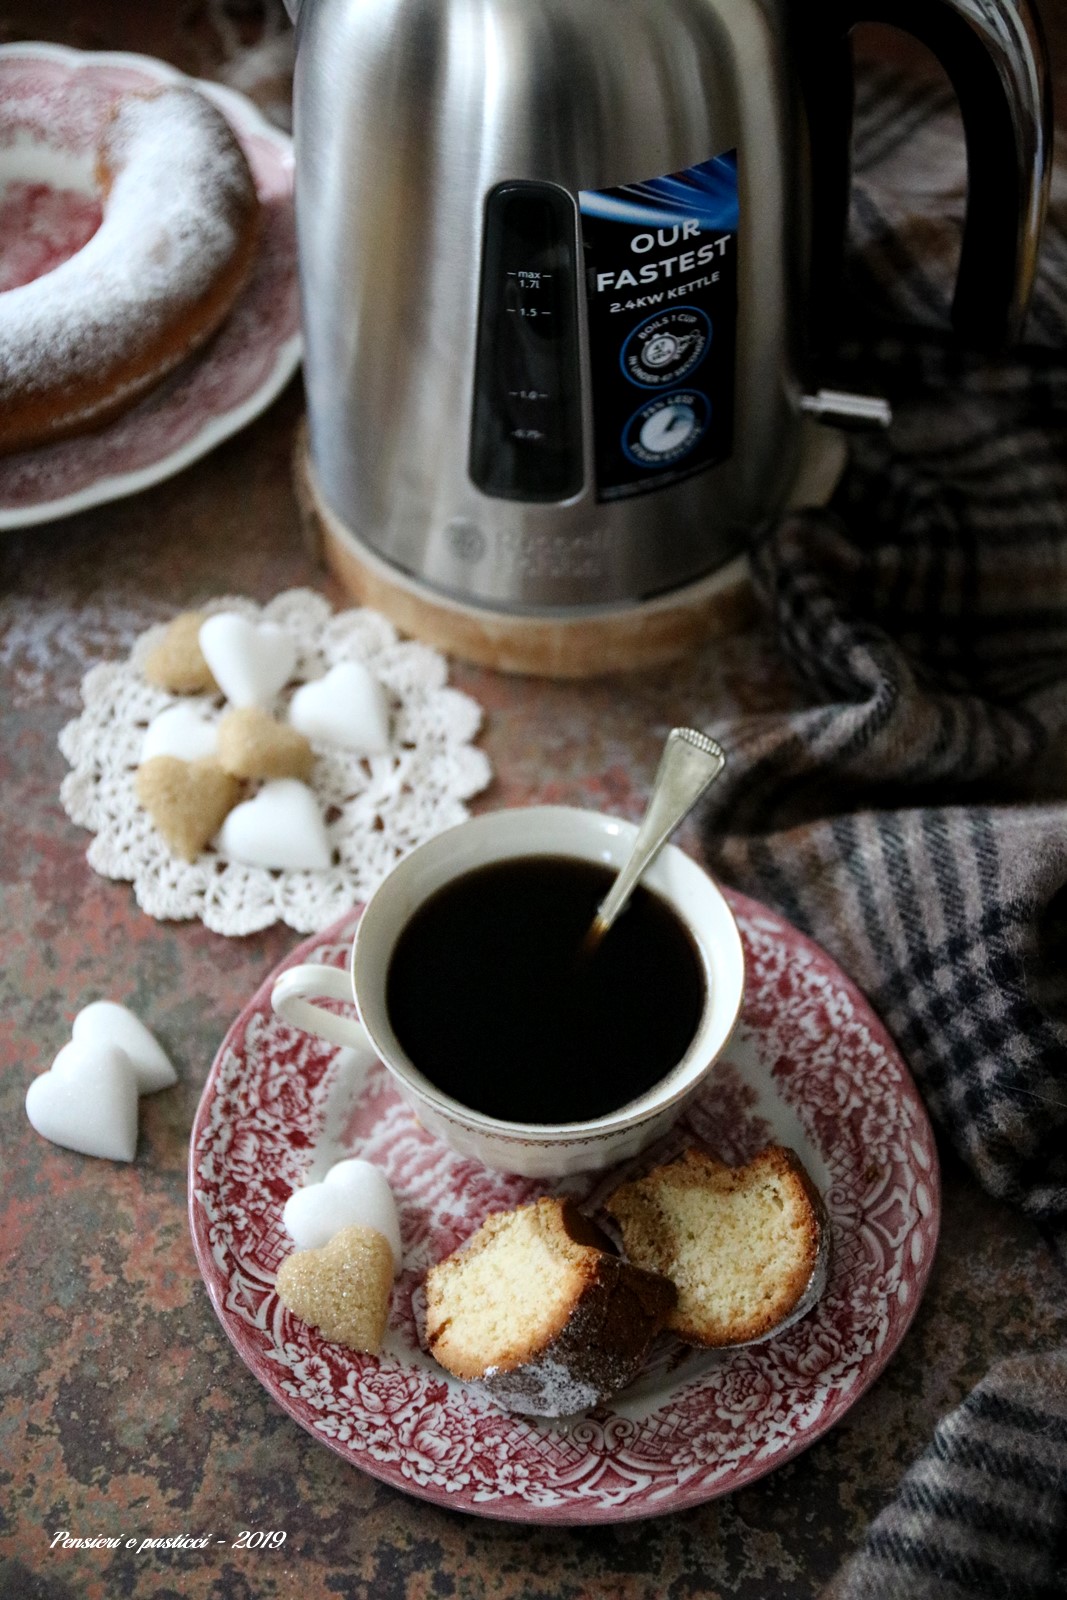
pixel 995 56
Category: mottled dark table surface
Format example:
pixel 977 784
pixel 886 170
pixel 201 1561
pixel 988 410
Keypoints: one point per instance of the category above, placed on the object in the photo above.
pixel 125 1409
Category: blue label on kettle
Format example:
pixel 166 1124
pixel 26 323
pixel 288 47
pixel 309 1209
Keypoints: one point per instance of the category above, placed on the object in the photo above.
pixel 661 288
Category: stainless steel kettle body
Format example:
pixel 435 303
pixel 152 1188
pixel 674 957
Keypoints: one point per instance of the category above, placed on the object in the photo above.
pixel 555 263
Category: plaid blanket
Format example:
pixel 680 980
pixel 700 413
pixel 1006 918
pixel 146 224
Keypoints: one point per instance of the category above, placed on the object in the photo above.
pixel 913 816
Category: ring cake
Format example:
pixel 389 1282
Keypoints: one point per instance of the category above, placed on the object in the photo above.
pixel 82 343
pixel 537 1310
pixel 747 1248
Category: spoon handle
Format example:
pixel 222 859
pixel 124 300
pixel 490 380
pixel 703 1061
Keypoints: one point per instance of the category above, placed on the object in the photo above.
pixel 690 764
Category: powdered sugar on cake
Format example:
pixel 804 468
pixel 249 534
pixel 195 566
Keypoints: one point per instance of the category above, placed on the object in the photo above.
pixel 179 195
pixel 544 1388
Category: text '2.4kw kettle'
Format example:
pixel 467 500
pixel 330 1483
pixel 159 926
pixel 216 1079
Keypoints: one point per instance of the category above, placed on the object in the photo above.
pixel 563 262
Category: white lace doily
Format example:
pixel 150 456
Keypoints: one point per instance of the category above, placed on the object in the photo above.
pixel 376 808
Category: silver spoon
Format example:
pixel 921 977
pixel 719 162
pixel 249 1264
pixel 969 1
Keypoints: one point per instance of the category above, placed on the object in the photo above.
pixel 690 764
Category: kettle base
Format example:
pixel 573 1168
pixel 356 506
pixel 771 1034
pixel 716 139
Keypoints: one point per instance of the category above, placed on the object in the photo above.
pixel 584 644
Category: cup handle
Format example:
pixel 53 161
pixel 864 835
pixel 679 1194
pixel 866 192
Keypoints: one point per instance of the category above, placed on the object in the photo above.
pixel 290 1001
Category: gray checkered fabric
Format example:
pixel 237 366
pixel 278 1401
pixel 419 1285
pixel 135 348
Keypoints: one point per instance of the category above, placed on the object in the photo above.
pixel 913 816
pixel 981 1514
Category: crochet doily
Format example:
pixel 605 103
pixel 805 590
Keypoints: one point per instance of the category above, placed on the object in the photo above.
pixel 376 808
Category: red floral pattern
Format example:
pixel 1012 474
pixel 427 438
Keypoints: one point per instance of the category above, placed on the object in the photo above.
pixel 40 227
pixel 810 1066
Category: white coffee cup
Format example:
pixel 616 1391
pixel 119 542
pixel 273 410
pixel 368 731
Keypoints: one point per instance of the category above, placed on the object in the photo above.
pixel 533 1150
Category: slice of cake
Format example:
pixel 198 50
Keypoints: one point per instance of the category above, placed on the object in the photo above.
pixel 538 1310
pixel 747 1248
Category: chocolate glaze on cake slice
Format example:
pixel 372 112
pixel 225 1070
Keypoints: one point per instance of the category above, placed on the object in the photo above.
pixel 537 1310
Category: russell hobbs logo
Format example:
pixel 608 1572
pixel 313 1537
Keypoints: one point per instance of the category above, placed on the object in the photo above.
pixel 535 553
pixel 466 541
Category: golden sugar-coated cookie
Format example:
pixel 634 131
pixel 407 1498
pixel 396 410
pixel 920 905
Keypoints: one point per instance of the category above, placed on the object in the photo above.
pixel 187 800
pixel 177 663
pixel 253 745
pixel 343 1288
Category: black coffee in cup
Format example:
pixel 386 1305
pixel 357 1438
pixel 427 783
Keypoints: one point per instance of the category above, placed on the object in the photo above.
pixel 492 999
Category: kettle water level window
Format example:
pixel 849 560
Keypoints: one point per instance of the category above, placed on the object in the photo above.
pixel 526 431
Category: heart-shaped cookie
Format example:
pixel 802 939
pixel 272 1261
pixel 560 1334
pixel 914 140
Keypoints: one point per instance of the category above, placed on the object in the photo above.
pixel 87 1101
pixel 352 1193
pixel 183 731
pixel 250 660
pixel 280 828
pixel 253 745
pixel 105 1023
pixel 177 663
pixel 342 1289
pixel 347 707
pixel 187 800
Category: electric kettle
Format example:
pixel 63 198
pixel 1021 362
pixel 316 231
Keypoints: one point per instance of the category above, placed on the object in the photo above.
pixel 567 267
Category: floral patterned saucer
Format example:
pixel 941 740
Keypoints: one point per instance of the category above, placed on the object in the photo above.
pixel 53 104
pixel 810 1066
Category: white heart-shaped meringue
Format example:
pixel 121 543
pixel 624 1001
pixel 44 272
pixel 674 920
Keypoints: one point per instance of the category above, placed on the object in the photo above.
pixel 353 1193
pixel 105 1023
pixel 347 707
pixel 87 1101
pixel 250 661
pixel 183 731
pixel 281 827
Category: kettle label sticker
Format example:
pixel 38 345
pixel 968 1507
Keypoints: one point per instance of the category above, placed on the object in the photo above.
pixel 661 289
